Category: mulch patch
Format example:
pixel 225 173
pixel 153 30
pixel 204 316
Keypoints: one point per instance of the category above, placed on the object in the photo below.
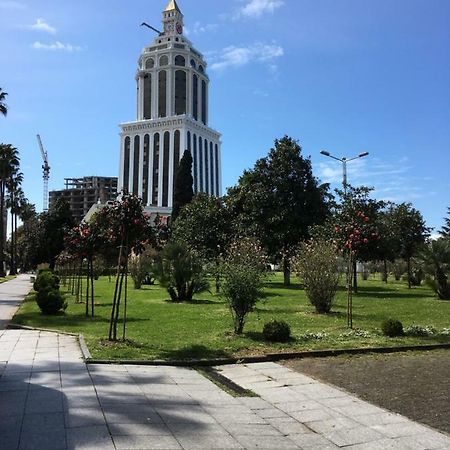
pixel 414 384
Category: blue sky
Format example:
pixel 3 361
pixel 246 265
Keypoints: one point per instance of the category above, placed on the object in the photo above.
pixel 343 75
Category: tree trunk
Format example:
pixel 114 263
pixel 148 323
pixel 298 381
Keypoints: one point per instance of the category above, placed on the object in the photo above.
pixel 2 230
pixel 408 262
pixel 355 276
pixel 286 271
pixel 125 303
pixel 385 273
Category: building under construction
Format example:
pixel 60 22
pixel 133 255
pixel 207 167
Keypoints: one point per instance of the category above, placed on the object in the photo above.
pixel 82 193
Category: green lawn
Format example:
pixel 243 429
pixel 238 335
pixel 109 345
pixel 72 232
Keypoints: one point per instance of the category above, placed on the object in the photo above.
pixel 159 329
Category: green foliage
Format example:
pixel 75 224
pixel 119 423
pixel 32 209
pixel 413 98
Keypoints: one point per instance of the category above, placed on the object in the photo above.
pixel 204 226
pixel 398 268
pixel 183 192
pixel 48 297
pixel 445 231
pixel 435 259
pixel 317 264
pixel 243 270
pixel 140 266
pixel 279 200
pixel 3 107
pixel 392 328
pixel 180 273
pixel 277 331
pixel 419 330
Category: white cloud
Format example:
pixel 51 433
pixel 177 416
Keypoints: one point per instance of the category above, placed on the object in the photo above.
pixel 42 25
pixel 56 46
pixel 233 57
pixel 11 5
pixel 198 28
pixel 256 8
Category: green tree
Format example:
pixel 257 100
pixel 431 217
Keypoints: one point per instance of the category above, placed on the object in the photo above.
pixel 204 226
pixel 9 164
pixel 435 257
pixel 183 192
pixel 3 107
pixel 55 224
pixel 445 231
pixel 180 272
pixel 15 193
pixel 279 200
pixel 410 231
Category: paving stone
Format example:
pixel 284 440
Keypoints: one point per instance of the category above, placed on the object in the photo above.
pixel 383 444
pixel 266 442
pixel 207 442
pixel 288 426
pixel 353 436
pixel 330 425
pixel 430 440
pixel 401 429
pixel 383 418
pixel 83 417
pixel 146 442
pixel 42 423
pixel 54 440
pixel 312 415
pixel 130 417
pixel 92 437
pixel 139 429
pixel 312 441
pixel 252 429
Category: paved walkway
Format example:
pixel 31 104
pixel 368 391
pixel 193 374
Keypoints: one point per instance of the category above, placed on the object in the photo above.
pixel 49 399
pixel 11 295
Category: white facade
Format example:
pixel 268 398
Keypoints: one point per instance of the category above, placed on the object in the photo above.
pixel 172 116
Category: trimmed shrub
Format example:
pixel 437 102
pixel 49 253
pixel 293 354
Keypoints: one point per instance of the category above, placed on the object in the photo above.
pixel 317 265
pixel 392 328
pixel 277 331
pixel 48 297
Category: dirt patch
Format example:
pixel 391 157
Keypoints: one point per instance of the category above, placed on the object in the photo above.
pixel 414 384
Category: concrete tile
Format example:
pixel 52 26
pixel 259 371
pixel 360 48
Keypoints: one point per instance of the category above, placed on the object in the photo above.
pixel 353 436
pixel 288 426
pixel 428 440
pixel 270 413
pixel 383 418
pixel 266 442
pixel 400 429
pixel 383 444
pixel 130 417
pixel 42 423
pixel 139 429
pixel 330 425
pixel 207 442
pixel 312 441
pixel 92 437
pixel 252 429
pixel 146 442
pixel 83 417
pixel 54 440
pixel 313 415
pixel 197 428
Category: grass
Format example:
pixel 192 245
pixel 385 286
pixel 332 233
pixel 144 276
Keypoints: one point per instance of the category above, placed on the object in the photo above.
pixel 7 278
pixel 157 329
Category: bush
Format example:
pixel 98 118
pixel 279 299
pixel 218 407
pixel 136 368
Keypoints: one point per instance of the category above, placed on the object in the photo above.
pixel 48 297
pixel 243 270
pixel 419 330
pixel 46 280
pixel 180 272
pixel 276 331
pixel 317 264
pixel 392 328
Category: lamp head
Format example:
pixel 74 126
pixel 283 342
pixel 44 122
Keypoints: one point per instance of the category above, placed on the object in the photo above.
pixel 361 155
pixel 323 152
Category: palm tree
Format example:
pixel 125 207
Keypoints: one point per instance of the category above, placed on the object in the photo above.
pixel 435 257
pixel 9 164
pixel 3 107
pixel 13 202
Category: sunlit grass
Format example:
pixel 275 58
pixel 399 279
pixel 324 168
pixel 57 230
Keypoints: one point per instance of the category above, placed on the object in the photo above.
pixel 158 329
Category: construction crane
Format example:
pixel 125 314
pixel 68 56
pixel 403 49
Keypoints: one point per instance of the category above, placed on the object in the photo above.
pixel 46 173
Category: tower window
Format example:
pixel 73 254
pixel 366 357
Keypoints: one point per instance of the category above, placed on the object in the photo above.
pixel 176 154
pixel 126 164
pixel 147 96
pixel 204 101
pixel 180 92
pixel 195 164
pixel 195 97
pixel 136 165
pixel 193 63
pixel 150 63
pixel 201 69
pixel 164 60
pixel 166 150
pixel 146 164
pixel 180 61
pixel 162 91
pixel 155 177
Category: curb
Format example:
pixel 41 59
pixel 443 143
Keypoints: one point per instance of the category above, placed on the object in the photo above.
pixel 269 357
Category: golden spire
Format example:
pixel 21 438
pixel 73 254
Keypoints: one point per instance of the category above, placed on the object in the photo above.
pixel 172 5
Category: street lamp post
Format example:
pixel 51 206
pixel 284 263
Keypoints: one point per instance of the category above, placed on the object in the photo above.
pixel 351 269
pixel 344 162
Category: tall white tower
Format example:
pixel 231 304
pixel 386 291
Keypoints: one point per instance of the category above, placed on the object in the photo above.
pixel 172 116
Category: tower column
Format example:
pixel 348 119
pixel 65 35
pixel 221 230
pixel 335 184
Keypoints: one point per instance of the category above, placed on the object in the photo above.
pixel 141 167
pixel 148 200
pixel 121 163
